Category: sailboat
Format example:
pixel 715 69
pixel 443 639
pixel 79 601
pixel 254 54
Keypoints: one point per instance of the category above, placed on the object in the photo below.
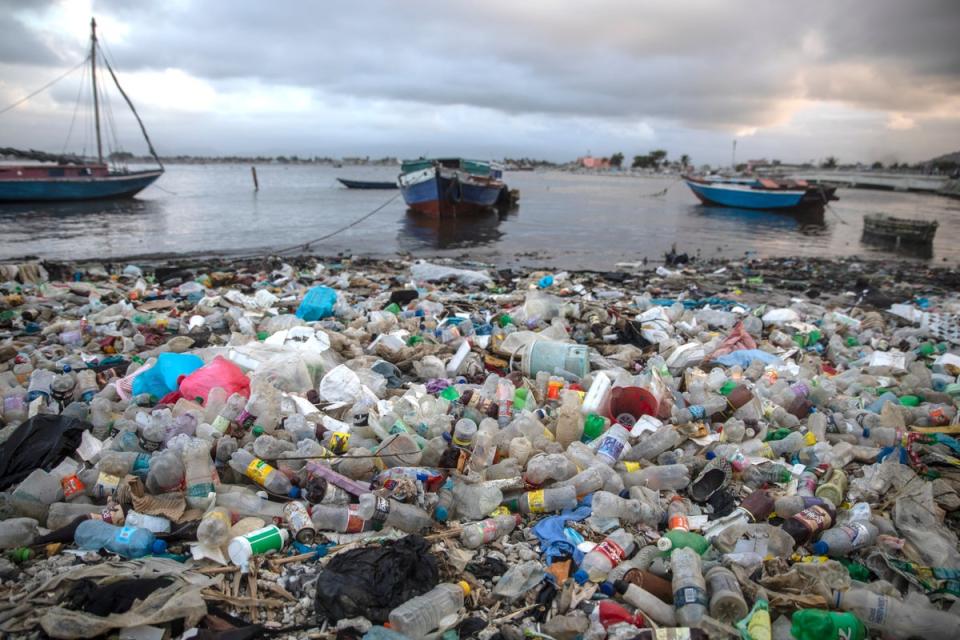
pixel 68 178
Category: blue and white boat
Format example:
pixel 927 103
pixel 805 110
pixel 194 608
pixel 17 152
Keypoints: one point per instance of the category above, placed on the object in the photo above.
pixel 71 178
pixel 451 187
pixel 757 193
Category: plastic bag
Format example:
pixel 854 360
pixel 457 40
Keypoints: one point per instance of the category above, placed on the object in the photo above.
pixel 317 304
pixel 220 372
pixel 42 442
pixel 427 272
pixel 162 378
pixel 372 581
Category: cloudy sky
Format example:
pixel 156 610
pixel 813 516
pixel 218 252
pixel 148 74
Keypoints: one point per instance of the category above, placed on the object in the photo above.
pixel 861 80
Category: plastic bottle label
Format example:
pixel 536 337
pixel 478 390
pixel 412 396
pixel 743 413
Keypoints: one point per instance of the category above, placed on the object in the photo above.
pixel 631 466
pixel 221 424
pixel 689 595
pixel 264 540
pixel 678 521
pixel 123 536
pixel 489 529
pixel 71 486
pixel 814 519
pixel 610 447
pixel 380 511
pixel 258 470
pixel 354 522
pixel 536 502
pixel 141 465
pixel 106 485
pixel 339 441
pixel 857 532
pixel 200 489
pixel 611 550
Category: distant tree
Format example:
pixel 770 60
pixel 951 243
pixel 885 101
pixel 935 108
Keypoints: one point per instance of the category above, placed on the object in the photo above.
pixel 829 163
pixel 877 165
pixel 120 156
pixel 659 157
pixel 684 161
pixel 642 162
pixel 616 160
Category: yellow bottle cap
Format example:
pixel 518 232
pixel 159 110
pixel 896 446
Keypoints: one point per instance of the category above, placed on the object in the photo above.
pixel 465 587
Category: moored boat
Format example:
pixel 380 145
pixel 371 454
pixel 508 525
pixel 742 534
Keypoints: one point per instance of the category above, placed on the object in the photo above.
pixel 899 230
pixel 70 178
pixel 450 187
pixel 366 184
pixel 758 193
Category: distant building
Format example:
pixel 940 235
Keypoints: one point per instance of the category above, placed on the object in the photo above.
pixel 589 162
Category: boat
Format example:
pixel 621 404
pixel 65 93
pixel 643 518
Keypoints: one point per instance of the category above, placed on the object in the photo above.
pixel 450 187
pixel 71 178
pixel 759 193
pixel 898 231
pixel 366 184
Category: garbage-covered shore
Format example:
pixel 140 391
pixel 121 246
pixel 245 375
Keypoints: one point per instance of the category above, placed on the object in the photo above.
pixel 308 447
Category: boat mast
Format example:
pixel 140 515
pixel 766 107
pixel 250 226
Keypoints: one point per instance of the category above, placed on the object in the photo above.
pixel 93 77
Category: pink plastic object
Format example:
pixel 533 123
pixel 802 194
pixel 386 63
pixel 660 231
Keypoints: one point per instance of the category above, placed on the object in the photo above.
pixel 219 372
pixel 633 400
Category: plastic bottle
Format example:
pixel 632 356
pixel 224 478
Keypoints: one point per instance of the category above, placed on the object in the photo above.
pixel 339 518
pixel 230 412
pixel 819 624
pixel 653 444
pixel 154 524
pixel 610 505
pixel 839 541
pixel 788 506
pixel 63 513
pixel 87 386
pixel 166 472
pixel 120 463
pixel 464 432
pixel 645 601
pixel 390 513
pixel 681 539
pixel 758 475
pixel 833 487
pixel 896 619
pixel 416 617
pixel 599 388
pixel 200 474
pixel 803 526
pixel 613 444
pixel 244 503
pixel 689 587
pixel 789 445
pixel 726 599
pixel 548 500
pixel 128 542
pixel 214 528
pixel 477 534
pixel 242 548
pixel 605 556
pixel 587 481
pixel 671 477
pixel 17 532
pixel 39 386
pixel 266 476
pixel 677 514
pixel 552 466
pixel 505 391
pixel 569 419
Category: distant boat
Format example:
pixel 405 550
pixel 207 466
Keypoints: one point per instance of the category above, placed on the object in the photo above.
pixel 70 177
pixel 450 187
pixel 759 193
pixel 366 184
pixel 899 231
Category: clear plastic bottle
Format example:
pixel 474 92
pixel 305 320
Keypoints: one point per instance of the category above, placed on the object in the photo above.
pixel 610 505
pixel 652 445
pixel 613 444
pixel 605 556
pixel 229 413
pixel 569 419
pixel 154 524
pixel 120 463
pixel 677 515
pixel 689 587
pixel 789 445
pixel 464 432
pixel 39 386
pixel 476 501
pixel 214 528
pixel 788 506
pixel 101 417
pixel 200 474
pixel 587 481
pixel 128 542
pixel 806 524
pixel 897 619
pixel 842 539
pixel 550 500
pixel 552 466
pixel 726 598
pixel 87 386
pixel 266 476
pixel 663 477
pixel 17 532
pixel 390 513
pixel 477 534
pixel 416 617
pixel 245 503
pixel 166 472
pixel 833 487
pixel 659 611
pixel 63 513
pixel 339 518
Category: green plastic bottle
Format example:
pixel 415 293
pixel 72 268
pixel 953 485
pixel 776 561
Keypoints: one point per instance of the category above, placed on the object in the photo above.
pixel 819 624
pixel 680 539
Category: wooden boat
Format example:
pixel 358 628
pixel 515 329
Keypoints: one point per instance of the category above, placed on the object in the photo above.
pixel 366 184
pixel 450 187
pixel 68 178
pixel 758 193
pixel 899 231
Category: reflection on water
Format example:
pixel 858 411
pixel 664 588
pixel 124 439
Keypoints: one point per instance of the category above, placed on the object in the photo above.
pixel 421 231
pixel 922 250
pixel 807 221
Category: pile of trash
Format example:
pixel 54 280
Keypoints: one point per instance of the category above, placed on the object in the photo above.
pixel 351 449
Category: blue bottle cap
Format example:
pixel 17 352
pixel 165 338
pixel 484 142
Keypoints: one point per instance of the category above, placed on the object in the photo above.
pixel 441 514
pixel 711 455
pixel 159 547
pixel 820 548
pixel 581 576
pixel 294 492
pixel 606 588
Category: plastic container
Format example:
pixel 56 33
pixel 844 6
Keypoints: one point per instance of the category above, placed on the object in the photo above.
pixel 632 401
pixel 689 587
pixel 804 526
pixel 552 466
pixel 339 518
pixel 548 500
pixel 390 513
pixel 553 357
pixel 819 624
pixel 127 541
pixel 896 619
pixel 477 534
pixel 605 556
pixel 726 599
pixel 418 616
pixel 214 528
pixel 651 605
pixel 242 548
pixel 245 463
pixel 613 444
pixel 839 541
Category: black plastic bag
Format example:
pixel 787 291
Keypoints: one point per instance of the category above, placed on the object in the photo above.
pixel 372 581
pixel 42 442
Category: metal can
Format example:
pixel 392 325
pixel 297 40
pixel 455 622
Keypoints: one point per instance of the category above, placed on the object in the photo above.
pixel 298 520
